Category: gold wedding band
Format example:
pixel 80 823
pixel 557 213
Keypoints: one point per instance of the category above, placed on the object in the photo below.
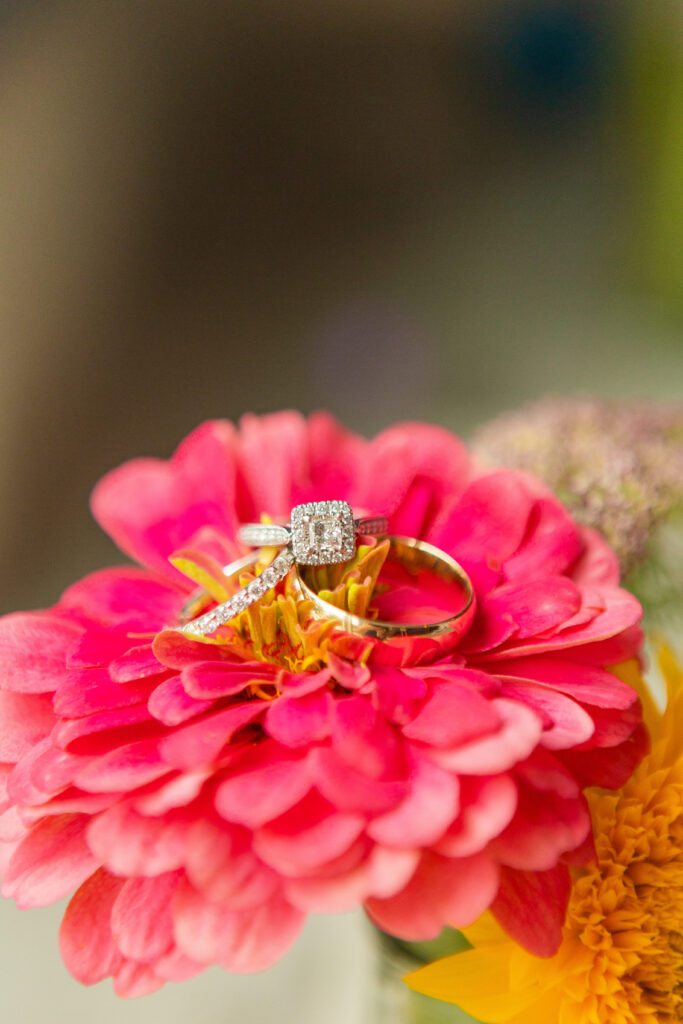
pixel 414 555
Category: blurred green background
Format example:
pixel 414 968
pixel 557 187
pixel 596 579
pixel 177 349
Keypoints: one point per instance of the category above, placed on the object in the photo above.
pixel 394 210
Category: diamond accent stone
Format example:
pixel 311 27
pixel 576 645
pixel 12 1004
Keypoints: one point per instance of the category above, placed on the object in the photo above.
pixel 323 532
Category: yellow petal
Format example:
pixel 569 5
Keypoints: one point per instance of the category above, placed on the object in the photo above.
pixel 478 981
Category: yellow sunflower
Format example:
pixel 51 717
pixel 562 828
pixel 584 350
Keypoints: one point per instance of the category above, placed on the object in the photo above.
pixel 621 957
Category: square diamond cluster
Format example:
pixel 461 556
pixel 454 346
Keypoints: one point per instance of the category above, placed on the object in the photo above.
pixel 323 532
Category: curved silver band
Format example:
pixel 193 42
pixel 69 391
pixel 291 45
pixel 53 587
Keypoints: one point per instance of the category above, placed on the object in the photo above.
pixel 210 621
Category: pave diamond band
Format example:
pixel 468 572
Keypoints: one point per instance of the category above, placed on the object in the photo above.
pixel 320 532
pixel 210 621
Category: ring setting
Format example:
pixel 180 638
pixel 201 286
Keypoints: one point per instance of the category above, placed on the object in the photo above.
pixel 320 533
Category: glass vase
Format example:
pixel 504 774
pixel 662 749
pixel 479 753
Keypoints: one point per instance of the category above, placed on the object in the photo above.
pixel 390 1000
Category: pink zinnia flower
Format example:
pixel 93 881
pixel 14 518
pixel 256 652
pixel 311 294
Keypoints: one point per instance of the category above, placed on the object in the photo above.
pixel 203 797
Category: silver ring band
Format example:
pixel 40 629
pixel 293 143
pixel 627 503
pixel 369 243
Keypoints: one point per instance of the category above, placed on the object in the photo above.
pixel 219 616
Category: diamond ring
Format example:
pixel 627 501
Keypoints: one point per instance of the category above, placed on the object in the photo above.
pixel 321 533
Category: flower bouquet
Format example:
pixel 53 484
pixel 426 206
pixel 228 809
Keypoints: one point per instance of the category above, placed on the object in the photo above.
pixel 205 748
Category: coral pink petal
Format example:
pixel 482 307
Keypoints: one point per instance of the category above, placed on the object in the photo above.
pixel 213 679
pixel 130 844
pixel 441 892
pixel 488 805
pixel 124 768
pixel 141 920
pixel 300 721
pixel 543 828
pixel 520 732
pixel 425 814
pixel 175 966
pixel 280 442
pixel 171 705
pixel 553 541
pixel 266 783
pixel 598 564
pixel 33 650
pixel 531 907
pixel 242 941
pixel 585 683
pixel 623 611
pixel 49 862
pixel 382 874
pixel 397 694
pixel 113 596
pixel 487 525
pixel 99 732
pixel 351 790
pixel 134 979
pixel 221 866
pixel 453 715
pixel 363 740
pixel 85 938
pixel 406 472
pixel 201 743
pixel 535 607
pixel 151 508
pixel 176 791
pixel 609 767
pixel 85 691
pixel 309 835
pixel 137 663
pixel 26 718
pixel 98 646
pixel 567 724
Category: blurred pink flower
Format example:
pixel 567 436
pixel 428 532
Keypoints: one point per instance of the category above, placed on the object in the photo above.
pixel 203 798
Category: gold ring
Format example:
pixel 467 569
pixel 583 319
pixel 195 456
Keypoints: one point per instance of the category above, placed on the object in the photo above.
pixel 415 556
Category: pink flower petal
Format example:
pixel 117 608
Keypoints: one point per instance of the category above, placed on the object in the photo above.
pixel 221 866
pixel 598 565
pixel 151 508
pixel 585 683
pixel 85 691
pixel 129 844
pixel 263 785
pixel 85 938
pixel 441 892
pixel 33 650
pixel 381 874
pixel 26 720
pixel 541 831
pixel 171 705
pixel 425 814
pixel 202 742
pixel 241 941
pixel 49 862
pixel 451 716
pixel 209 680
pixel 137 663
pixel 487 526
pixel 552 543
pixel 124 768
pixel 141 920
pixel 299 721
pixel 531 907
pixel 488 805
pixel 133 980
pixel 519 734
pixel 126 596
pixel 310 834
pixel 568 724
pixel 407 471
pixel 351 790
